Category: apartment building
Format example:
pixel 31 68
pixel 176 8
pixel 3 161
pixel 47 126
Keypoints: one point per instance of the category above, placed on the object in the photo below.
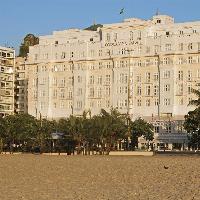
pixel 21 86
pixel 146 68
pixel 7 64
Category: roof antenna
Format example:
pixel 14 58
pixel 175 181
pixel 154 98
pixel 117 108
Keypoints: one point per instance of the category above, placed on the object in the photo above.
pixel 94 22
pixel 157 12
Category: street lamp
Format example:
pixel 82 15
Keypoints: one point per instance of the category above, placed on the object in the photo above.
pixel 158 68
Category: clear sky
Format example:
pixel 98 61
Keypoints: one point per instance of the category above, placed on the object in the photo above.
pixel 41 17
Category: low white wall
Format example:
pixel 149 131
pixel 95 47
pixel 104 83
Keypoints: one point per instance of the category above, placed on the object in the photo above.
pixel 131 153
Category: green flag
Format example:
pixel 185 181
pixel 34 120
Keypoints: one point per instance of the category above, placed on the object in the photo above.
pixel 121 11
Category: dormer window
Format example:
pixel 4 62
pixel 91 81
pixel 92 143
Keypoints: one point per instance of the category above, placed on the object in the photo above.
pixel 91 39
pixel 181 32
pixel 158 21
pixel 56 42
pixel 167 33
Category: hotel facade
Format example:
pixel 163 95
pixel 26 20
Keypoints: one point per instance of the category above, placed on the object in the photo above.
pixel 143 68
pixel 7 65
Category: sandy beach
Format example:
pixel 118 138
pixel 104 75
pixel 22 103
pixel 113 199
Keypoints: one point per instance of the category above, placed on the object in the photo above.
pixel 42 177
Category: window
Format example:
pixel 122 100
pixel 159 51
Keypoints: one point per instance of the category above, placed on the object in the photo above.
pixel 70 94
pixel 79 78
pixel 148 76
pixel 158 21
pixel 169 128
pixel 34 81
pixel 168 47
pixel 54 81
pixel 107 79
pixel 156 102
pixel 99 80
pixel 189 75
pixel 166 101
pixel 167 87
pixel 79 104
pixel 156 48
pixel 91 92
pixel 108 37
pixel 35 94
pixel 107 90
pixel 63 55
pixel 181 32
pixel 100 52
pixel 138 78
pixel 166 60
pixel 62 93
pixel 107 103
pixel 69 104
pixel 148 90
pixel 72 54
pixel 62 105
pixel 189 89
pixel 131 35
pixel 180 101
pixel 166 74
pixel 180 75
pixel 62 84
pixel 190 60
pixel 91 79
pixel 99 92
pixel 155 77
pixel 156 90
pixel 99 104
pixel 180 89
pixel 156 129
pixel 108 65
pixel 189 100
pixel 180 61
pixel 139 102
pixel 190 46
pixel 148 102
pixel 139 90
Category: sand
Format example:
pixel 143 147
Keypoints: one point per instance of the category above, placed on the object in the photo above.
pixel 40 177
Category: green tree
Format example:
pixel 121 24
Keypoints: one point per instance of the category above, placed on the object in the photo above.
pixel 192 122
pixel 20 128
pixel 29 40
pixel 141 128
pixel 94 27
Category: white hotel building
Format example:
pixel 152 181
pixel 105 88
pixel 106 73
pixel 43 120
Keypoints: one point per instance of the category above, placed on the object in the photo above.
pixel 146 68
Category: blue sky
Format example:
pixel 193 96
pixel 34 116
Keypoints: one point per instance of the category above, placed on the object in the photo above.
pixel 41 17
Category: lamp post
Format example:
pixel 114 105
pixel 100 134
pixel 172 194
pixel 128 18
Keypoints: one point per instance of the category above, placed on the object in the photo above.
pixel 128 98
pixel 158 68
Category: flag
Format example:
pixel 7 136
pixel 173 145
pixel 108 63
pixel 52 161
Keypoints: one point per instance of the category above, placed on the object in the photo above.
pixel 121 11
